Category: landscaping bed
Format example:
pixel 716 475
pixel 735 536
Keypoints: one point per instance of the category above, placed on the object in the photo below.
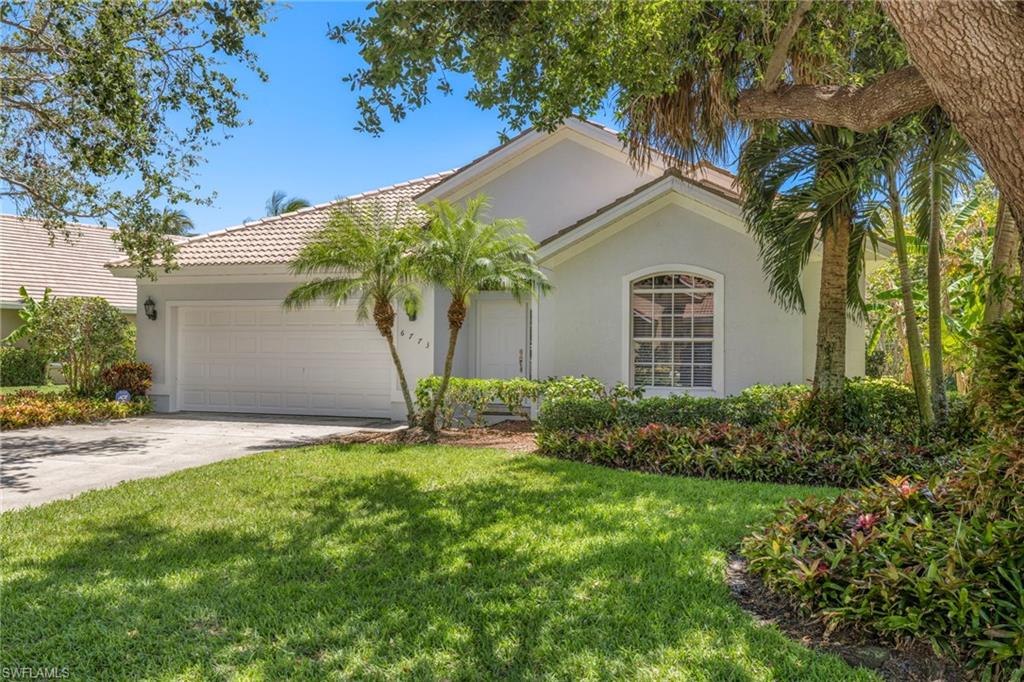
pixel 513 435
pixel 25 409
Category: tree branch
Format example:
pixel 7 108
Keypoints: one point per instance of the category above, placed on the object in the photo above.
pixel 777 62
pixel 862 109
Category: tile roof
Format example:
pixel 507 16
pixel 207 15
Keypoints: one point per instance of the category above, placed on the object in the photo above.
pixel 278 239
pixel 72 268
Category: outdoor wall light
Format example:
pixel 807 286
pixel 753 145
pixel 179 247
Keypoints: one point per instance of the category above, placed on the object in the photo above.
pixel 411 309
pixel 150 307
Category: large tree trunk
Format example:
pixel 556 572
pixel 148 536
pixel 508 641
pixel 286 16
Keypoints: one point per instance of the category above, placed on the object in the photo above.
pixel 913 332
pixel 938 379
pixel 1005 249
pixel 830 362
pixel 968 57
pixel 971 55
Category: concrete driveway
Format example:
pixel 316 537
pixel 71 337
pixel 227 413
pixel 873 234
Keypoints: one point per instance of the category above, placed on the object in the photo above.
pixel 39 465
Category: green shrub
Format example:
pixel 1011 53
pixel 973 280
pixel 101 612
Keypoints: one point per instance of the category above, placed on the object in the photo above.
pixel 557 388
pixel 755 405
pixel 999 376
pixel 466 400
pixel 940 560
pixel 517 394
pixel 880 406
pixel 722 450
pixel 25 409
pixel 21 366
pixel 134 377
pixel 86 335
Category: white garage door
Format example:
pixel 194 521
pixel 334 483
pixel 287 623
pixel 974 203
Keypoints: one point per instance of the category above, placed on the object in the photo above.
pixel 266 359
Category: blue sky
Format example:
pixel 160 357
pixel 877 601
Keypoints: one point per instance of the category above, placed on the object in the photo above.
pixel 301 139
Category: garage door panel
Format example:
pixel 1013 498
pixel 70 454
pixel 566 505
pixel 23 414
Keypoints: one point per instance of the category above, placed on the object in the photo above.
pixel 265 359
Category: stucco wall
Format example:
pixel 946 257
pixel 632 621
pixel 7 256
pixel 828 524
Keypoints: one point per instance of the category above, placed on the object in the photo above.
pixel 9 320
pixel 582 320
pixel 558 186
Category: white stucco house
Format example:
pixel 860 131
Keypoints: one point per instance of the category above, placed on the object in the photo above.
pixel 655 283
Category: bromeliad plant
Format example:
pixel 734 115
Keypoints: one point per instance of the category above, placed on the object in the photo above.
pixel 464 254
pixel 363 251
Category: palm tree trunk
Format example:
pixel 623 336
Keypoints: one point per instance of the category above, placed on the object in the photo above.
pixel 938 380
pixel 410 409
pixel 1004 252
pixel 830 362
pixel 384 318
pixel 456 316
pixel 913 332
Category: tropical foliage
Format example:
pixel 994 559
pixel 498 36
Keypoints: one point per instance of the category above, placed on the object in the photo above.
pixel 464 253
pixel 174 221
pixel 87 335
pixel 280 203
pixel 22 366
pixel 366 253
pixel 29 409
pixel 131 376
pixel 937 558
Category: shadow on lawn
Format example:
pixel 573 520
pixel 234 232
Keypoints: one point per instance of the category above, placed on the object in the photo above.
pixel 543 568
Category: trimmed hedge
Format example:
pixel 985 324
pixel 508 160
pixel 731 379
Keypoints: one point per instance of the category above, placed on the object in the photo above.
pixel 796 455
pixel 881 406
pixel 941 560
pixel 466 400
pixel 26 409
pixel 21 366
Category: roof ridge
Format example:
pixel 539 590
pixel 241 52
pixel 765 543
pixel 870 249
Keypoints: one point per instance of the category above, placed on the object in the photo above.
pixel 259 222
pixel 39 221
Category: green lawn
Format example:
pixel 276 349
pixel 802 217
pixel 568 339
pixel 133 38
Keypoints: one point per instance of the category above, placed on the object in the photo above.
pixel 48 388
pixel 382 563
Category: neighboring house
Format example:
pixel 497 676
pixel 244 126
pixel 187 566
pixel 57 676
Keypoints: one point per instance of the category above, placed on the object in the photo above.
pixel 655 283
pixel 72 267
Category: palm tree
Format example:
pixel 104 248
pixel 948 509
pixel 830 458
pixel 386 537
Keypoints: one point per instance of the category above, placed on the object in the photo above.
pixel 464 254
pixel 803 185
pixel 279 203
pixel 1005 246
pixel 175 221
pixel 363 252
pixel 940 167
pixel 913 331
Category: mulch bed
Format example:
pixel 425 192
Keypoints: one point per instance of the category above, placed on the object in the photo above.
pixel 914 663
pixel 512 435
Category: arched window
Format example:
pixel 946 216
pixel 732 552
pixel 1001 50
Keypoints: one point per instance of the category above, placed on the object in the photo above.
pixel 673 331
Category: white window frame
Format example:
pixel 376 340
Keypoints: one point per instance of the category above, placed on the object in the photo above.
pixel 717 387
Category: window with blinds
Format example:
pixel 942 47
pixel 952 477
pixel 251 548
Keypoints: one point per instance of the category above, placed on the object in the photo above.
pixel 673 331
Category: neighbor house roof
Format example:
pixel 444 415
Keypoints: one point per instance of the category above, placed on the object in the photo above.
pixel 69 268
pixel 278 239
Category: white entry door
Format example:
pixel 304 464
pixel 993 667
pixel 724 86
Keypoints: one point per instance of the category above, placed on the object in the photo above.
pixel 262 358
pixel 501 339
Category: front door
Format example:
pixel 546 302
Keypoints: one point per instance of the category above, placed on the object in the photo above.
pixel 501 339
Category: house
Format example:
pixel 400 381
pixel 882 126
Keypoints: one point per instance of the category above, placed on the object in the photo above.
pixel 70 267
pixel 656 283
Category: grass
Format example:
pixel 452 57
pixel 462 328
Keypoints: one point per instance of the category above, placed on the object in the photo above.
pixel 378 562
pixel 48 388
